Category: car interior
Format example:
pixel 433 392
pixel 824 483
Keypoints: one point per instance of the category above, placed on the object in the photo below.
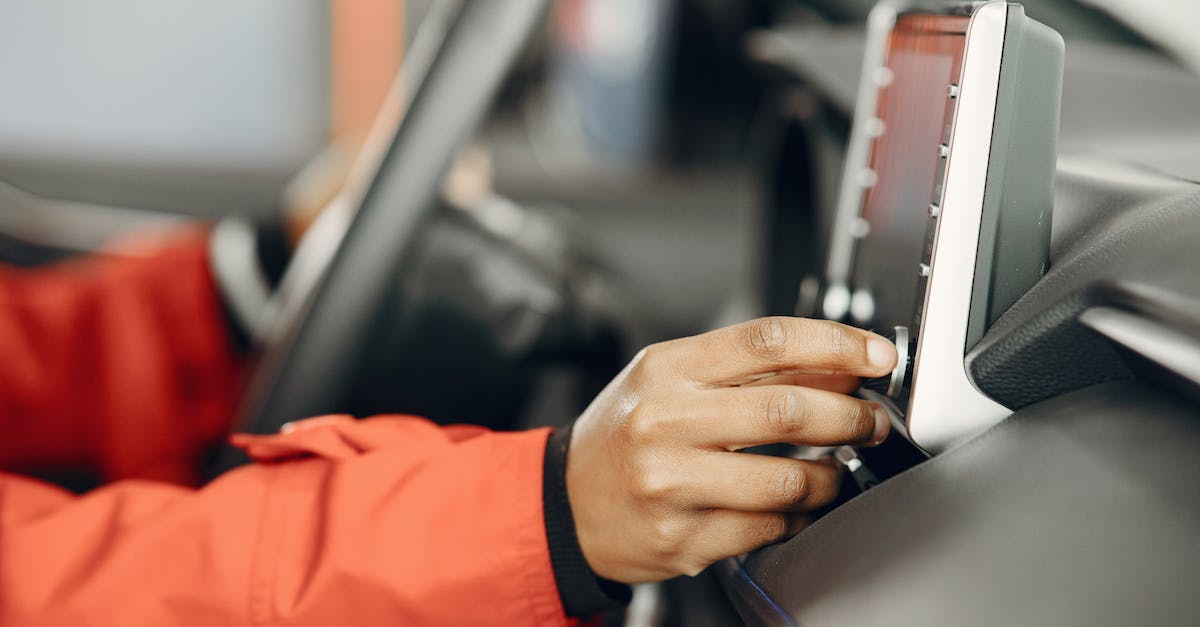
pixel 549 186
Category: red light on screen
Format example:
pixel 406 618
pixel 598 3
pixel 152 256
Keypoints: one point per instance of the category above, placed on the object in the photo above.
pixel 914 112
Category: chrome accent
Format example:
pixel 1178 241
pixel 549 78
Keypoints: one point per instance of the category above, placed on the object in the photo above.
pixel 944 405
pixel 903 357
pixel 848 458
pixel 935 210
pixel 952 91
pixel 1161 344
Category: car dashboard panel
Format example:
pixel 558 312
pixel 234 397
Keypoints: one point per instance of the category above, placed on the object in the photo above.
pixel 944 215
pixel 905 171
pixel 1079 507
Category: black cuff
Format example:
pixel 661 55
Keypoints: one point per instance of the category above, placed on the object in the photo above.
pixel 582 592
pixel 248 261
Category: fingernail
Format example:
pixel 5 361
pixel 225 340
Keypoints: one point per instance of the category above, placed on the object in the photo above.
pixel 882 423
pixel 880 352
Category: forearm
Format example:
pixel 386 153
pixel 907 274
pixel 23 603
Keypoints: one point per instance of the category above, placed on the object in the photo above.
pixel 383 521
pixel 121 362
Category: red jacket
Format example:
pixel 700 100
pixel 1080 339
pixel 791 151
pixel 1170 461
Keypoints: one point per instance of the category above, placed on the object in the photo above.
pixel 122 364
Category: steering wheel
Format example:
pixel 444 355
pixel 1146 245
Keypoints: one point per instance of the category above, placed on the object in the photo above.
pixel 336 284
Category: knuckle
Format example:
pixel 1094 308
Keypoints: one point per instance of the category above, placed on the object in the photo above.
pixel 644 424
pixel 861 421
pixel 667 538
pixel 843 345
pixel 772 528
pixel 655 484
pixel 825 489
pixel 653 422
pixel 653 356
pixel 770 337
pixel 762 529
pixel 779 411
pixel 648 354
pixel 790 485
pixel 639 368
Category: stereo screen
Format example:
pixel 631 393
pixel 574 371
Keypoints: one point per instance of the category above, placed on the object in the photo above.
pixel 905 169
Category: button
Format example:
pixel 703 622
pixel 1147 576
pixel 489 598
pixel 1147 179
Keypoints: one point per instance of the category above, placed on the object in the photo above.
pixel 943 151
pixel 875 127
pixel 923 269
pixel 935 210
pixel 893 384
pixel 952 90
pixel 862 307
pixel 836 303
pixel 883 76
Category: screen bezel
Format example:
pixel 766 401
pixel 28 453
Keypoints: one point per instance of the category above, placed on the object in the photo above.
pixel 943 404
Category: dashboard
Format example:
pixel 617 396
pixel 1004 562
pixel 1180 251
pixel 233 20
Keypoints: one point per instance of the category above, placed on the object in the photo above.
pixel 945 209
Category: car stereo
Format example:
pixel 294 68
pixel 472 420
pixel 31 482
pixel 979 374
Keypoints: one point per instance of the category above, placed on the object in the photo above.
pixel 944 214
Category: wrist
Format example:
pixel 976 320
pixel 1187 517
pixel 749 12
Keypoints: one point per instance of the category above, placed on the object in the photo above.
pixel 581 590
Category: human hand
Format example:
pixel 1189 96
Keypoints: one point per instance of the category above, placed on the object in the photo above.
pixel 656 485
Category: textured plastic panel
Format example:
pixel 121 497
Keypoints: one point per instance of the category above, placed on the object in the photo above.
pixel 1118 230
pixel 1053 517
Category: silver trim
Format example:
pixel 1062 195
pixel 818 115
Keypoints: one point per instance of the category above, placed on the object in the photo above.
pixel 902 361
pixel 847 457
pixel 944 405
pixel 1161 344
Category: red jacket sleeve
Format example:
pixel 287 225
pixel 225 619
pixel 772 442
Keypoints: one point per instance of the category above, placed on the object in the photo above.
pixel 119 363
pixel 387 521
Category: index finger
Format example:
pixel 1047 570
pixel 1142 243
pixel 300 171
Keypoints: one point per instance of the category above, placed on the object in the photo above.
pixel 779 345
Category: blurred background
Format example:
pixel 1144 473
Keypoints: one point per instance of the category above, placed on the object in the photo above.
pixel 650 168
pixel 639 117
pixel 696 143
pixel 685 151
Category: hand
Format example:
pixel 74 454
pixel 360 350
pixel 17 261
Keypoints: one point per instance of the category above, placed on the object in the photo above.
pixel 654 478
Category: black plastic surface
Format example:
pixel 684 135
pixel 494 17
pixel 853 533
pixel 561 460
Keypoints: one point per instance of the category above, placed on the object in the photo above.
pixel 1116 228
pixel 1082 510
pixel 1014 233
